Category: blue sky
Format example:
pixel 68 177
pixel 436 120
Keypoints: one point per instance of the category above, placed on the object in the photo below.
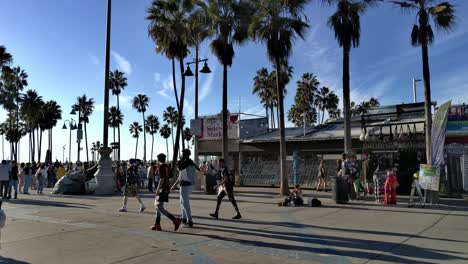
pixel 60 43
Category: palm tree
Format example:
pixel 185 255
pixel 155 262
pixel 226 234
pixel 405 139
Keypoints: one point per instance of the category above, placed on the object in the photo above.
pixel 118 82
pixel 140 103
pixel 169 28
pixel 187 135
pixel 152 127
pixel 52 112
pixel 263 88
pixel 85 108
pixel 5 57
pixel 165 132
pixel 373 102
pixel 325 100
pixel 345 23
pixel 3 131
pixel 115 120
pixel 304 101
pixel 135 130
pixel 31 103
pixel 443 17
pixel 334 113
pixel 278 23
pixel 229 20
pixel 170 117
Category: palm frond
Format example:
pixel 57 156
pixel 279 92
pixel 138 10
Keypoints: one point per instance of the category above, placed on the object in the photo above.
pixel 415 36
pixel 443 15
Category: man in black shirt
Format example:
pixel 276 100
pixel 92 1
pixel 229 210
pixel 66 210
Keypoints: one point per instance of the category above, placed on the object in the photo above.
pixel 225 187
pixel 13 180
pixel 162 195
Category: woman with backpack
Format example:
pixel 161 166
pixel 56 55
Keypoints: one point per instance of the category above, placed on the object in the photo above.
pixel 187 177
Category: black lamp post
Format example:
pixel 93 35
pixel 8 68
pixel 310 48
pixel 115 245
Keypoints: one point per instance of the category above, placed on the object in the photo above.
pixel 72 124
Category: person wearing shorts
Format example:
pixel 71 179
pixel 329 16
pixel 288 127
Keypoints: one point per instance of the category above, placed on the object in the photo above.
pixel 131 186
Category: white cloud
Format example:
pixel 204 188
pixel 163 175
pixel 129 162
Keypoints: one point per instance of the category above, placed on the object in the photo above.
pixel 157 77
pixel 94 59
pixel 167 88
pixel 122 63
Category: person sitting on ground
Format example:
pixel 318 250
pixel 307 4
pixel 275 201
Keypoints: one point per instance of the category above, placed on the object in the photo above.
pixel 295 197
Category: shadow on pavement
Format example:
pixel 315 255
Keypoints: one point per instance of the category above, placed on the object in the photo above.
pixel 50 203
pixel 320 244
pixel 11 261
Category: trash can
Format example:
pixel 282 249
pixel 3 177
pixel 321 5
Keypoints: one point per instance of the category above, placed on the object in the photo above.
pixel 210 183
pixel 340 190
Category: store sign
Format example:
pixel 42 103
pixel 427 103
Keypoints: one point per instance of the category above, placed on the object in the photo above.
pixel 211 128
pixel 429 177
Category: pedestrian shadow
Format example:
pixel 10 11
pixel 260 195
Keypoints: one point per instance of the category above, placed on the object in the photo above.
pixel 320 244
pixel 50 203
pixel 300 226
pixel 4 260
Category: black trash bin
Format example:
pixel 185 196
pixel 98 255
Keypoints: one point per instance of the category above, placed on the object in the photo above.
pixel 340 190
pixel 210 183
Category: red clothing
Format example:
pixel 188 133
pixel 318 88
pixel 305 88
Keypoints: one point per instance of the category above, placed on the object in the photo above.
pixel 390 189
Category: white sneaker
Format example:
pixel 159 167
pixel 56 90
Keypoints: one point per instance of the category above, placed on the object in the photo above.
pixel 123 209
pixel 142 208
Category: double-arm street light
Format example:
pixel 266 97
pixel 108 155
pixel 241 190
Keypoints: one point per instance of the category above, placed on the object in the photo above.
pixel 188 72
pixel 72 124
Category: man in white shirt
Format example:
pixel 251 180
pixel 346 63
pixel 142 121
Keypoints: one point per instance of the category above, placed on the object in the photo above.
pixel 4 178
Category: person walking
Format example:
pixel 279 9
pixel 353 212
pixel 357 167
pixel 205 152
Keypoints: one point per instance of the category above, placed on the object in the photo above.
pixel 41 176
pixel 13 184
pixel 226 187
pixel 21 177
pixel 162 195
pixel 131 186
pixel 27 178
pixel 4 179
pixel 187 177
pixel 150 176
pixel 322 177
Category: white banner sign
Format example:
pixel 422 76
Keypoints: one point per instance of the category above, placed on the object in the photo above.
pixel 212 128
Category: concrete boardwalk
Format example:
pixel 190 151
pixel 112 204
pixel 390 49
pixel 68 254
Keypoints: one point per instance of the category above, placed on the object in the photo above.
pixel 88 229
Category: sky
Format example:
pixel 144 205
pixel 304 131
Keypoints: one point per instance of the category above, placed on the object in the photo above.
pixel 61 45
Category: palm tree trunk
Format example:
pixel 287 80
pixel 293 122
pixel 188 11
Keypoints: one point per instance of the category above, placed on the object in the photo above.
pixel 39 146
pixel 225 149
pixel 346 101
pixel 113 128
pixel 86 142
pixel 268 117
pixel 136 148
pixel 152 146
pixel 277 117
pixel 427 100
pixel 273 120
pixel 118 129
pixel 323 115
pixel 167 148
pixel 181 114
pixel 144 138
pixel 172 135
pixel 174 83
pixel 3 147
pixel 284 187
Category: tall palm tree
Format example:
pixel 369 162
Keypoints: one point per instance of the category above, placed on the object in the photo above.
pixel 115 120
pixel 152 127
pixel 304 101
pixel 345 23
pixel 165 132
pixel 118 82
pixel 3 131
pixel 229 21
pixel 31 103
pixel 52 112
pixel 325 98
pixel 140 103
pixel 135 130
pixel 85 107
pixel 443 17
pixel 278 23
pixel 263 88
pixel 170 117
pixel 169 28
pixel 374 102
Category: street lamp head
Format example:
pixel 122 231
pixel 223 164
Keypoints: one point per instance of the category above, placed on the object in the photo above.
pixel 73 112
pixel 188 71
pixel 205 69
pixel 64 126
pixel 73 127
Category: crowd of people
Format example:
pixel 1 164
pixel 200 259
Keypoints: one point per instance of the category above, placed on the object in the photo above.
pixel 22 178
